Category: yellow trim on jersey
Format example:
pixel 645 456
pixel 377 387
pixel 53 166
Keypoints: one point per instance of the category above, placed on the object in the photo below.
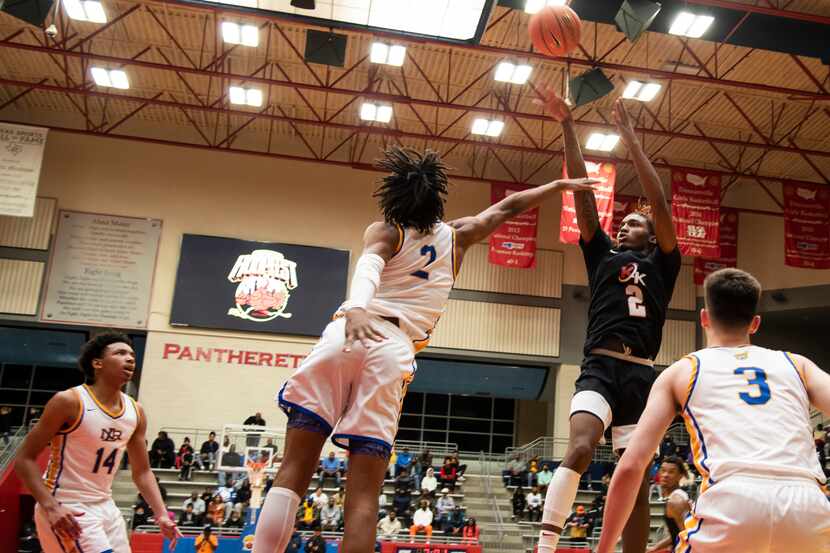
pixel 800 370
pixel 692 378
pixel 456 266
pixel 137 412
pixel 692 525
pixel 400 239
pixel 53 467
pixel 78 418
pixel 697 451
pixel 103 408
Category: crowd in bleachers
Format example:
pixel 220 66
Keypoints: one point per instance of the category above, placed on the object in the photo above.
pixel 424 497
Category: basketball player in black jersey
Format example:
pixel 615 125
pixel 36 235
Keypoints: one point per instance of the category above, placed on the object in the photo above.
pixel 677 506
pixel 631 282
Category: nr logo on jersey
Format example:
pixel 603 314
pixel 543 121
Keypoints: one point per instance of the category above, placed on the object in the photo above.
pixel 110 434
pixel 630 272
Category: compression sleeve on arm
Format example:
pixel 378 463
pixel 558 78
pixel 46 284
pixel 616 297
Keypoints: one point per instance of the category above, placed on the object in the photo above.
pixel 365 281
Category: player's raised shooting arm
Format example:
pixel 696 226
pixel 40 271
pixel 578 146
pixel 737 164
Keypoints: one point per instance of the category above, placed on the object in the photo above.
pixel 471 230
pixel 652 187
pixel 817 383
pixel 661 409
pixel 60 412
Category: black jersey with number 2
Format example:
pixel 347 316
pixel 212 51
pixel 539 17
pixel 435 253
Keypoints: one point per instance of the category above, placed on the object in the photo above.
pixel 630 293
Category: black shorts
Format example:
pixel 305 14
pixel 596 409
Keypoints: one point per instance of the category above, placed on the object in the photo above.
pixel 624 385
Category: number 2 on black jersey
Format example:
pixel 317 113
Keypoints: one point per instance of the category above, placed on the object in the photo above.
pixel 109 462
pixel 636 307
pixel 426 250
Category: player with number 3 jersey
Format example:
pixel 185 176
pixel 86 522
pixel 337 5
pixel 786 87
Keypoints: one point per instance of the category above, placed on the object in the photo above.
pixel 351 386
pixel 88 428
pixel 747 411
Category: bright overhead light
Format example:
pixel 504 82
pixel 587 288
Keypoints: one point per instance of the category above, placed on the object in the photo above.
pixel 85 10
pixel 602 142
pixel 487 127
pixel 245 96
pixel 373 112
pixel 534 6
pixel 508 72
pixel 115 78
pixel 644 92
pixel 690 25
pixel 246 35
pixel 386 54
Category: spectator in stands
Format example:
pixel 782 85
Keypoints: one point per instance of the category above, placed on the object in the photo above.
pixel 445 506
pixel 231 458
pixel 448 474
pixel 404 481
pixel 532 469
pixel 162 452
pixel 666 447
pixel 206 542
pixel 390 469
pixel 207 496
pixel 471 532
pixel 519 504
pixel 197 503
pixel 185 460
pixel 456 462
pixel 235 520
pixel 389 526
pixel 316 543
pixel 421 522
pixel 534 505
pixel 216 511
pixel 422 464
pixel 382 503
pixel 455 525
pixel 243 493
pixel 514 471
pixel 331 516
pixel 402 503
pixel 329 468
pixel 295 545
pixel 252 440
pixel 578 524
pixel 429 483
pixel 319 498
pixel 543 478
pixel 340 497
pixel 188 517
pixel 595 512
pixel 140 513
pixel 162 490
pixel 207 453
pixel 228 494
pixel 404 461
pixel 5 423
pixel 309 515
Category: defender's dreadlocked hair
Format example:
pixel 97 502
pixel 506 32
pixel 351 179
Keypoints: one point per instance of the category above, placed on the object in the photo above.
pixel 414 194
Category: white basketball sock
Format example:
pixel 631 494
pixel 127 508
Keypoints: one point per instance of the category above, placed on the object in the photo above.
pixel 558 501
pixel 276 521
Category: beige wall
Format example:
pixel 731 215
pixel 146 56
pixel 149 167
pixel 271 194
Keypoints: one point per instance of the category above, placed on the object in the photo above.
pixel 531 420
pixel 565 386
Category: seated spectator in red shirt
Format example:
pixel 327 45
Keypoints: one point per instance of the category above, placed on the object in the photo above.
pixel 184 460
pixel 471 531
pixel 448 474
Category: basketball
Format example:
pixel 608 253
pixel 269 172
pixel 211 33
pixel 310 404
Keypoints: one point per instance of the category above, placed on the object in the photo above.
pixel 555 30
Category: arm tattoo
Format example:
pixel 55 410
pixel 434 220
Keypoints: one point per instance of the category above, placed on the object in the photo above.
pixel 586 211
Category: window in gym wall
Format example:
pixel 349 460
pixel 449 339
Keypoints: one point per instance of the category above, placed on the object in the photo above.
pixel 475 423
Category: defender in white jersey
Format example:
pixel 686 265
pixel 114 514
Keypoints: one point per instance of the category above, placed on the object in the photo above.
pixel 352 384
pixel 747 410
pixel 88 428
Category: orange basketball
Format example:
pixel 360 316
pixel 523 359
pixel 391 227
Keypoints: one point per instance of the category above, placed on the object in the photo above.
pixel 555 30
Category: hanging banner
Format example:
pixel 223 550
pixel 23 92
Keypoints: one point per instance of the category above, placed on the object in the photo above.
pixel 513 244
pixel 695 210
pixel 604 194
pixel 623 205
pixel 21 155
pixel 806 226
pixel 728 247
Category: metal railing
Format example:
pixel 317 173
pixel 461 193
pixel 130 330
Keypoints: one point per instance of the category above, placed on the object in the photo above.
pixel 196 435
pixel 436 448
pixel 491 497
pixel 8 450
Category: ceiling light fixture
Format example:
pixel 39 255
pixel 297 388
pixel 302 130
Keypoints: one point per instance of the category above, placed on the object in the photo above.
pixel 508 72
pixel 644 92
pixel 602 142
pixel 487 127
pixel 690 25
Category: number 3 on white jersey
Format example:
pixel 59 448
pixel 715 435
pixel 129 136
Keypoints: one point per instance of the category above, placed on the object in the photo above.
pixel 636 308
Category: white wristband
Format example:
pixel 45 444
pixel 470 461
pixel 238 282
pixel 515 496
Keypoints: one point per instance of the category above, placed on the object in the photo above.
pixel 365 281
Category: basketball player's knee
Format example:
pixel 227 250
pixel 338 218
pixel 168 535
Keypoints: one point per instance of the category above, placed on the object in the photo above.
pixel 579 454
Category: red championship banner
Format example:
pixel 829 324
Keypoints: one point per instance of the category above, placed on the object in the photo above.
pixel 807 226
pixel 728 247
pixel 695 209
pixel 514 243
pixel 623 205
pixel 604 194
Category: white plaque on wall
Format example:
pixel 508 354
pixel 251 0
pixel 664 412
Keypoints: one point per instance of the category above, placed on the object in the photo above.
pixel 101 270
pixel 21 155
